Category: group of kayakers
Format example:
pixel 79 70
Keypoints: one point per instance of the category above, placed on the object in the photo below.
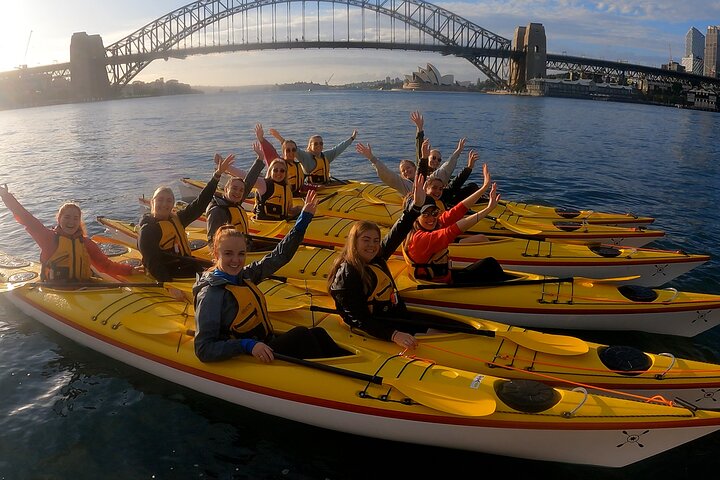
pixel 231 314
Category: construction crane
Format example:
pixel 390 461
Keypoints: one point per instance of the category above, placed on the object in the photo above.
pixel 27 46
pixel 328 80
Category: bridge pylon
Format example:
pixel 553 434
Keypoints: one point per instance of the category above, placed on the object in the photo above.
pixel 532 42
pixel 89 79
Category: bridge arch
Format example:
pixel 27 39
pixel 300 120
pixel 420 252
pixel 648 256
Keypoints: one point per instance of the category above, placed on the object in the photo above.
pixel 230 24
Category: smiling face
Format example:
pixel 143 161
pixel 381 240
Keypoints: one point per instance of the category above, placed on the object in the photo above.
pixel 69 219
pixel 367 244
pixel 428 218
pixel 229 250
pixel 289 150
pixel 434 188
pixel 235 190
pixel 407 169
pixel 277 170
pixel 315 145
pixel 162 203
pixel 434 159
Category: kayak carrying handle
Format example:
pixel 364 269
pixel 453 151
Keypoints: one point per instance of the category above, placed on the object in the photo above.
pixel 571 413
pixel 661 376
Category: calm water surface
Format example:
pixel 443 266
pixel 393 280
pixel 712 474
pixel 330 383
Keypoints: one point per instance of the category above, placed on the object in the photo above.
pixel 68 412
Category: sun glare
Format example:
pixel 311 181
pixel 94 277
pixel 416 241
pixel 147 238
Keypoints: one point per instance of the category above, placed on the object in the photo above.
pixel 14 35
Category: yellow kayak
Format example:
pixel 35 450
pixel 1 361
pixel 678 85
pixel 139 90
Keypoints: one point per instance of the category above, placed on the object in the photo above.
pixel 652 267
pixel 369 392
pixel 354 206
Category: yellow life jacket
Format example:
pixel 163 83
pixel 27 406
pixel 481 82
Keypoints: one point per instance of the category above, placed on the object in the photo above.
pixel 441 205
pixel 252 310
pixel 384 295
pixel 436 269
pixel 321 172
pixel 238 218
pixel 69 261
pixel 294 175
pixel 275 203
pixel 173 237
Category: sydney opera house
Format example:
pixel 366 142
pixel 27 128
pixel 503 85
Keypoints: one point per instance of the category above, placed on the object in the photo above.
pixel 428 78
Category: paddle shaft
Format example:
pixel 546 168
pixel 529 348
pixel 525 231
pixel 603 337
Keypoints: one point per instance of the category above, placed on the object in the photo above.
pixel 98 284
pixel 329 368
pixel 424 323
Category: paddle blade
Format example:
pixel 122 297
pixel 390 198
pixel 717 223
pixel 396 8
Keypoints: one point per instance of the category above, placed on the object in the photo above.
pixel 546 343
pixel 468 402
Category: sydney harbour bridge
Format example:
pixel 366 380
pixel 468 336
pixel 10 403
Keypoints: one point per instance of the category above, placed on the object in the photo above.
pixel 96 71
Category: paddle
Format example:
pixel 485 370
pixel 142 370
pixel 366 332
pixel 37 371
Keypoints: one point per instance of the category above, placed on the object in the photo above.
pixel 516 228
pixel 530 339
pixel 467 402
pixel 511 283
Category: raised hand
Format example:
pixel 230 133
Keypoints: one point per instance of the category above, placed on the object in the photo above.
pixel 461 145
pixel 259 132
pixel 257 148
pixel 417 119
pixel 223 163
pixel 354 134
pixel 426 148
pixel 419 190
pixel 311 202
pixel 364 150
pixel 472 158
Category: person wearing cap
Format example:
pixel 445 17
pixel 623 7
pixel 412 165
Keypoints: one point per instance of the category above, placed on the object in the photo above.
pixel 429 159
pixel 426 248
pixel 362 285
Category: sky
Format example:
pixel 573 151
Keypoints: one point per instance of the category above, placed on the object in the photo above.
pixel 647 32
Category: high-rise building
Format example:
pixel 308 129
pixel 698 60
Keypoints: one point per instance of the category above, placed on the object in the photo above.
pixel 693 64
pixel 712 51
pixel 694 43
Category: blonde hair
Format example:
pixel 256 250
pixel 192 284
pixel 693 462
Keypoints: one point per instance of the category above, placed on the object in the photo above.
pixel 66 206
pixel 350 255
pixel 277 161
pixel 310 140
pixel 158 191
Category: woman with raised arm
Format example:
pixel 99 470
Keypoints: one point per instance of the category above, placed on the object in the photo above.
pixel 273 197
pixel 66 252
pixel 426 248
pixel 402 182
pixel 294 175
pixel 162 240
pixel 316 161
pixel 428 159
pixel 362 285
pixel 228 209
pixel 231 314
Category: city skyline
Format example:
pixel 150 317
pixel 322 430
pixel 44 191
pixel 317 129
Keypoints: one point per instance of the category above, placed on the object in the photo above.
pixel 643 32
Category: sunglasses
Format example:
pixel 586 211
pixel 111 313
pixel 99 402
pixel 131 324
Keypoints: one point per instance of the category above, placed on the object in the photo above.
pixel 435 157
pixel 291 149
pixel 279 170
pixel 317 143
pixel 434 213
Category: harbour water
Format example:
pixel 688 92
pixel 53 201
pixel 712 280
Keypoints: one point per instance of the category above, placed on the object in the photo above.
pixel 68 412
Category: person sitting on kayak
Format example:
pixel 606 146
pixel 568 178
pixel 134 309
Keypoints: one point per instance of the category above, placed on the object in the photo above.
pixel 162 240
pixel 426 247
pixel 228 209
pixel 231 314
pixel 315 161
pixel 273 197
pixel 66 252
pixel 402 182
pixel 362 285
pixel 294 175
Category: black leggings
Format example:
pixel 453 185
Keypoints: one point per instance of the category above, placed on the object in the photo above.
pixel 303 342
pixel 486 270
